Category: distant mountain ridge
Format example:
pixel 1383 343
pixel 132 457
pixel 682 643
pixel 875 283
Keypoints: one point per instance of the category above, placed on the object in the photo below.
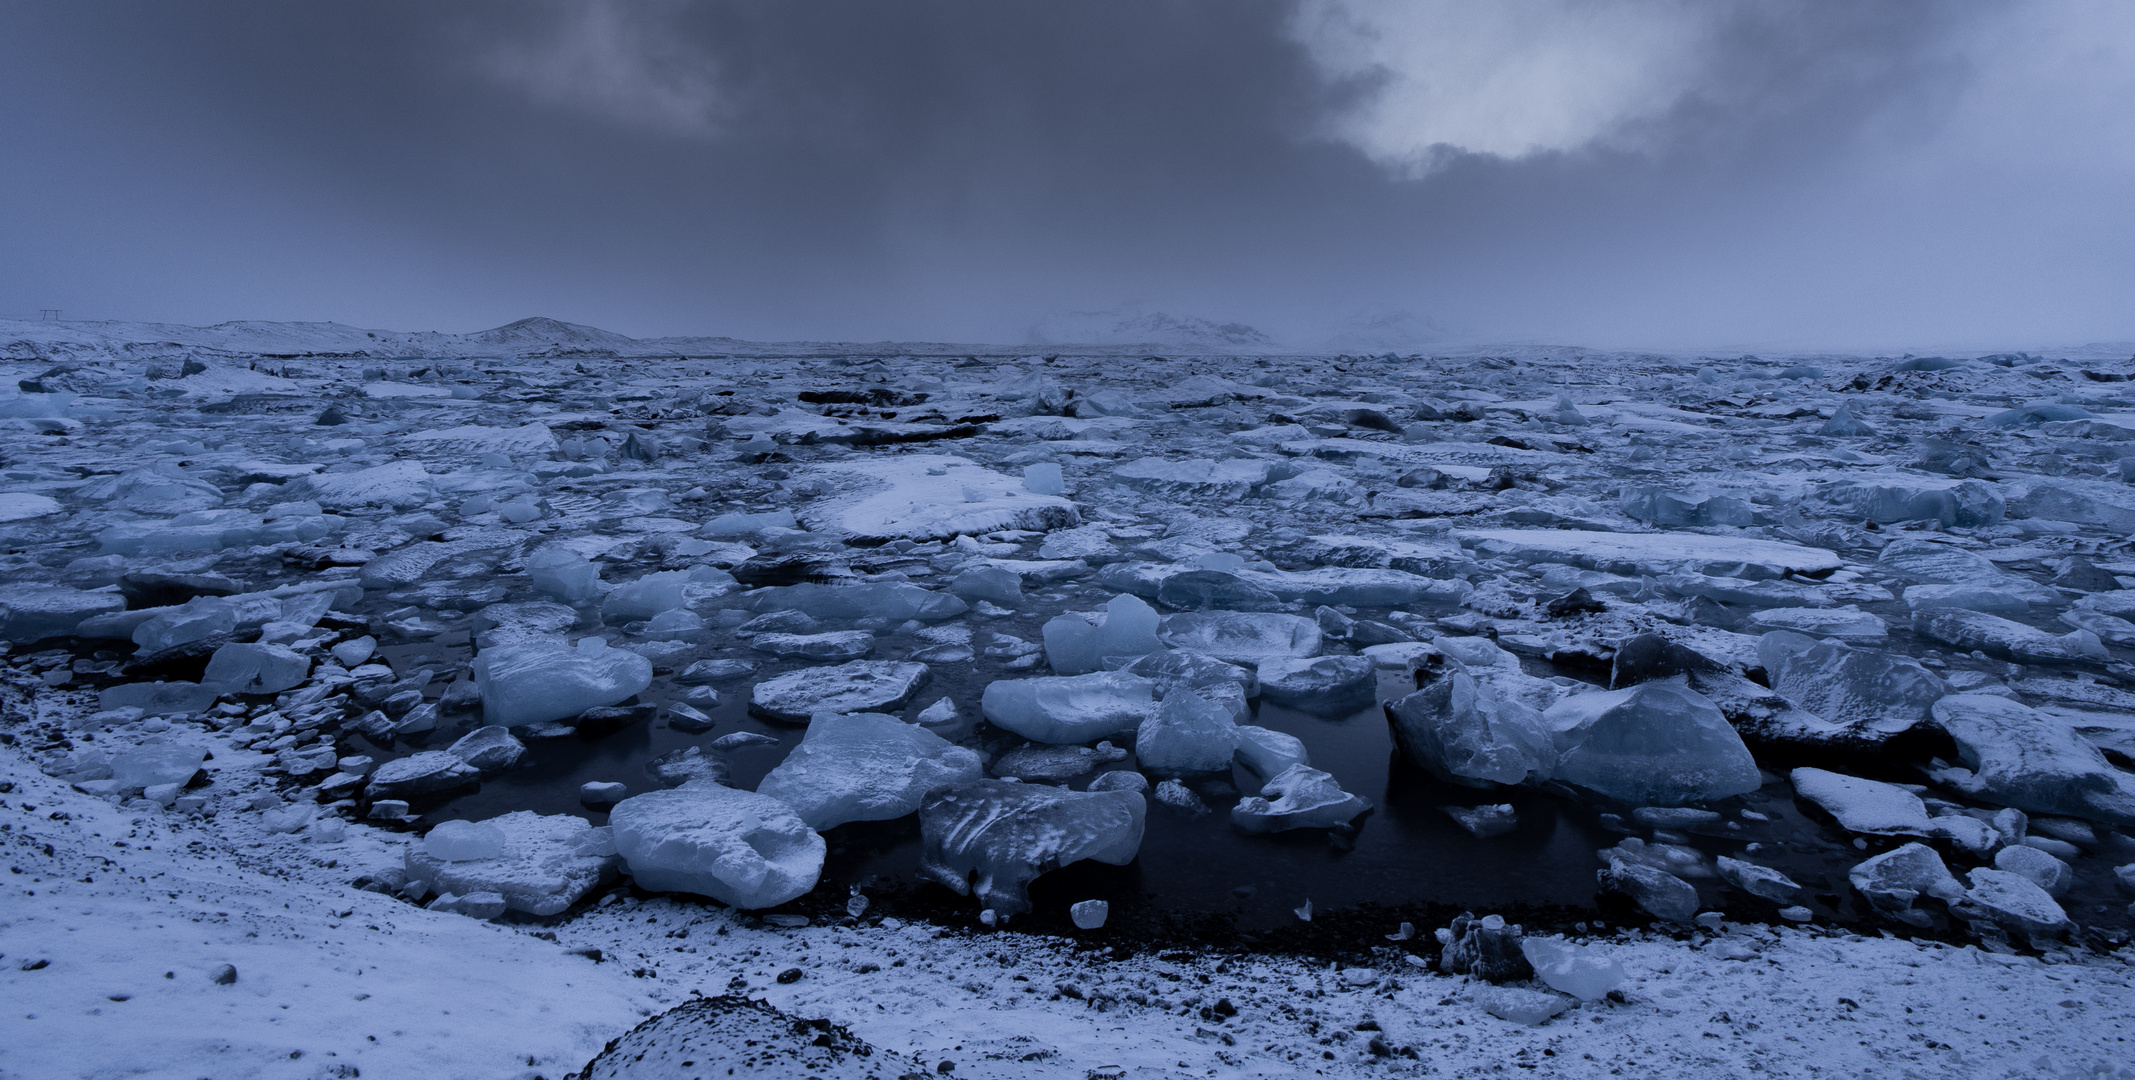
pixel 1155 328
pixel 20 339
pixel 541 336
pixel 1120 333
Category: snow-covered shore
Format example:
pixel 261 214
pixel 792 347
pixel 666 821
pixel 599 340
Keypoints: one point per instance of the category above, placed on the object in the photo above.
pixel 133 912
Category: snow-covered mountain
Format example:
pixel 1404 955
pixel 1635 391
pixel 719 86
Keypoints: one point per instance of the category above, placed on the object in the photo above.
pixel 20 339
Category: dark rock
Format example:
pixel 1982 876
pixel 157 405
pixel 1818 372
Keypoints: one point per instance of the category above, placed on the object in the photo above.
pixel 765 571
pixel 788 976
pixel 2077 572
pixel 607 718
pixel 1576 602
pixel 1487 948
pixel 749 1037
pixel 314 557
pixel 1373 419
pixel 226 975
pixel 1646 657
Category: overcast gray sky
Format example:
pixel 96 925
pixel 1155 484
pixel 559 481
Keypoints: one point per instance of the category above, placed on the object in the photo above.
pixel 1666 173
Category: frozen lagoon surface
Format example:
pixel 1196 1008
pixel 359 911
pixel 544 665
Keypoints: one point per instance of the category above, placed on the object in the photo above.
pixel 247 599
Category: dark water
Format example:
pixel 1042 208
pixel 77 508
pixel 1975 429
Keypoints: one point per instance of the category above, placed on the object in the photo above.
pixel 1408 851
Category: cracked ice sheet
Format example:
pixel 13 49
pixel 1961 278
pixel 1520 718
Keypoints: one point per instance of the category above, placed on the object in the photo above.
pixel 904 496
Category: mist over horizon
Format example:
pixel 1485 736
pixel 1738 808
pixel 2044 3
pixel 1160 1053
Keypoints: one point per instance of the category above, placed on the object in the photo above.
pixel 1323 174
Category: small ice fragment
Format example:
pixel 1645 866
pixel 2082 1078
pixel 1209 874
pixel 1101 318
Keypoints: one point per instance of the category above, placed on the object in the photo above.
pixel 1187 734
pixel 1121 780
pixel 990 583
pixel 687 718
pixel 1484 822
pixel 1302 797
pixel 1584 972
pixel 563 574
pixel 596 793
pixel 1043 478
pixel 1529 1007
pixel 349 654
pixel 1757 880
pixel 1089 914
pixel 740 739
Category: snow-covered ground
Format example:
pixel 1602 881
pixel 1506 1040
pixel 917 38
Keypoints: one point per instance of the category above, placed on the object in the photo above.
pixel 110 943
pixel 319 658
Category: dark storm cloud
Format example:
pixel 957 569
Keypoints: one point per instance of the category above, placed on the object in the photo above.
pixel 1641 171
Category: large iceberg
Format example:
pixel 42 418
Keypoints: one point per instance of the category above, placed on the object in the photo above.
pixel 1069 708
pixel 1468 731
pixel 541 864
pixel 1654 744
pixel 32 612
pixel 854 687
pixel 1873 691
pixel 2021 757
pixel 535 682
pixel 1952 503
pixel 741 848
pixel 1187 734
pixel 993 837
pixel 1075 646
pixel 865 767
pixel 1241 637
pixel 1320 680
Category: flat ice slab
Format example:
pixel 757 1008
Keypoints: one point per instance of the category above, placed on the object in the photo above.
pixel 1652 553
pixel 929 497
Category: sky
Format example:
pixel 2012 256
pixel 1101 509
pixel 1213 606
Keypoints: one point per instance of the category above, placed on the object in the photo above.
pixel 1753 174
